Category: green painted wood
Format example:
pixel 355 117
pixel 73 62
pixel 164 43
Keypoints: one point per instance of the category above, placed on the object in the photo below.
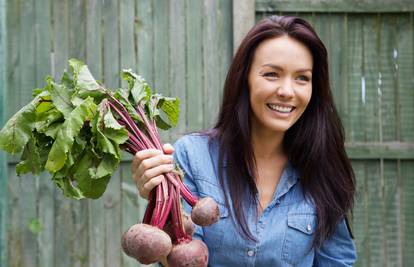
pixel 126 35
pixel 194 65
pixel 14 243
pixel 349 6
pixel 145 40
pixel 212 87
pixel 60 50
pixel 386 150
pixel 407 200
pixel 111 198
pixel 3 117
pixel 405 63
pixel 46 189
pixel 392 214
pixel 161 53
pixel 387 78
pixel 177 71
pixel 79 209
pixel 29 184
pixel 96 227
pixel 360 213
pixel 15 233
pixel 356 83
pixel 64 234
pixel 371 98
pixel 376 233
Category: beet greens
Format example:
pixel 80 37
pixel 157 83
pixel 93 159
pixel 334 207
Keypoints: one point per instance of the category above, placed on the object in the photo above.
pixel 76 128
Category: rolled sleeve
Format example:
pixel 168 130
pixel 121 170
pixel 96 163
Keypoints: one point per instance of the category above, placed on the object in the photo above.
pixel 181 158
pixel 338 251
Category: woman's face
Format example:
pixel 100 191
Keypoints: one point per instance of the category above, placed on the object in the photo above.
pixel 280 84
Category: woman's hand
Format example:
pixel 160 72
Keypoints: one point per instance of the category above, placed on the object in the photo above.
pixel 148 167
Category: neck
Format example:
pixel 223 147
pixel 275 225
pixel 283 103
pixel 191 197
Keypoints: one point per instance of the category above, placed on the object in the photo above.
pixel 267 145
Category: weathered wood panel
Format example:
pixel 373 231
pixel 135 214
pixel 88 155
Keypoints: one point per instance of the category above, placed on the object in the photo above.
pixel 163 41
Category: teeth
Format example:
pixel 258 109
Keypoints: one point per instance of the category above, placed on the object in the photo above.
pixel 280 108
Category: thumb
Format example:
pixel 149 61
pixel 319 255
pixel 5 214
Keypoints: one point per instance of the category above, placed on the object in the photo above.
pixel 168 148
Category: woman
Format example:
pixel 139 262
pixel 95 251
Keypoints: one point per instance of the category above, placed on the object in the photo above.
pixel 275 160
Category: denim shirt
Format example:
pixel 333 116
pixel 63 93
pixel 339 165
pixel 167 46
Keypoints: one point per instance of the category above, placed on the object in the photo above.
pixel 284 230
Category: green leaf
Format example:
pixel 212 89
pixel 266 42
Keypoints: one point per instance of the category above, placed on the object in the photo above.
pixel 68 187
pixel 66 134
pixel 85 83
pixel 18 130
pixel 61 97
pixel 31 161
pixel 171 107
pixel 91 188
pixel 139 88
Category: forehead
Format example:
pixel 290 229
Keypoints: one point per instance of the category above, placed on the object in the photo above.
pixel 283 51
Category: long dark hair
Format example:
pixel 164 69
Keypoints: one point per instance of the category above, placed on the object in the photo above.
pixel 314 144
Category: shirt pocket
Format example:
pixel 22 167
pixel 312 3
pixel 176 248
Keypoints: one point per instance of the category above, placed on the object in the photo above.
pixel 299 237
pixel 213 234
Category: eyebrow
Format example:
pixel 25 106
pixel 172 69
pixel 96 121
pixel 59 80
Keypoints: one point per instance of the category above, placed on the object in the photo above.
pixel 280 68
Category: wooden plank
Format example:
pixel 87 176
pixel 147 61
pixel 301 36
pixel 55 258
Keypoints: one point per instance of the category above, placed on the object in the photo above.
pixel 3 118
pixel 225 43
pixel 392 215
pixel 177 75
pixel 376 231
pixel 94 38
pixel 348 6
pixel 64 224
pixel 387 78
pixel 371 95
pixel 126 35
pixel 77 49
pixel 407 200
pixel 145 40
pixel 47 189
pixel 387 150
pixel 96 225
pixel 356 80
pixel 212 89
pixel 243 19
pixel 405 73
pixel 161 53
pixel 60 37
pixel 111 198
pixel 194 66
pixel 29 184
pixel 14 242
pixel 360 212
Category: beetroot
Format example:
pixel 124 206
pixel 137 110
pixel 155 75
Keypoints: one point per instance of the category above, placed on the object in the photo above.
pixel 205 212
pixel 189 254
pixel 146 243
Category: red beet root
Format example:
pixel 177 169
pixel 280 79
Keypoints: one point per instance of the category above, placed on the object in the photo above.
pixel 189 254
pixel 205 212
pixel 146 243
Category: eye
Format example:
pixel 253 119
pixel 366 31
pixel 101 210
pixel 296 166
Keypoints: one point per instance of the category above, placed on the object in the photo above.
pixel 304 78
pixel 271 75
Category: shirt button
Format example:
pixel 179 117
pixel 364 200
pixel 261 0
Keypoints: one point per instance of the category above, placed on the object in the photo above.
pixel 250 253
pixel 309 228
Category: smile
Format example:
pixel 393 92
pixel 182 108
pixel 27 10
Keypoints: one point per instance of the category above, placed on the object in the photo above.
pixel 282 109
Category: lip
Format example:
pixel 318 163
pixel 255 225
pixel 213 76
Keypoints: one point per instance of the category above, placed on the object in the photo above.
pixel 278 114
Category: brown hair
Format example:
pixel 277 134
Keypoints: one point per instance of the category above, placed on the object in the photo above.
pixel 314 144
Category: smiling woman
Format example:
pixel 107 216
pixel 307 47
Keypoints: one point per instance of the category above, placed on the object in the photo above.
pixel 275 161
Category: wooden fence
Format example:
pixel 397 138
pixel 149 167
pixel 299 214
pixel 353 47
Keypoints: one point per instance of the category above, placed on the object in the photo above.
pixel 183 48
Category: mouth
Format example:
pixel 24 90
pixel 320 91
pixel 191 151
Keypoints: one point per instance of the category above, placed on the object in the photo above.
pixel 281 108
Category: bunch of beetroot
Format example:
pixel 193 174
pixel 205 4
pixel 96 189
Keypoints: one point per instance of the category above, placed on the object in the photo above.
pixel 75 129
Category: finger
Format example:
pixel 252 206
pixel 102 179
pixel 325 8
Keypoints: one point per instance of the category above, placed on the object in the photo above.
pixel 156 171
pixel 146 189
pixel 153 162
pixel 142 155
pixel 168 148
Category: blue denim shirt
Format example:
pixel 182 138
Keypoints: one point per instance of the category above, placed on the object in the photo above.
pixel 284 230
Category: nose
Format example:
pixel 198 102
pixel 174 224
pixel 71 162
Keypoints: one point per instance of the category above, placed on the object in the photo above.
pixel 285 90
